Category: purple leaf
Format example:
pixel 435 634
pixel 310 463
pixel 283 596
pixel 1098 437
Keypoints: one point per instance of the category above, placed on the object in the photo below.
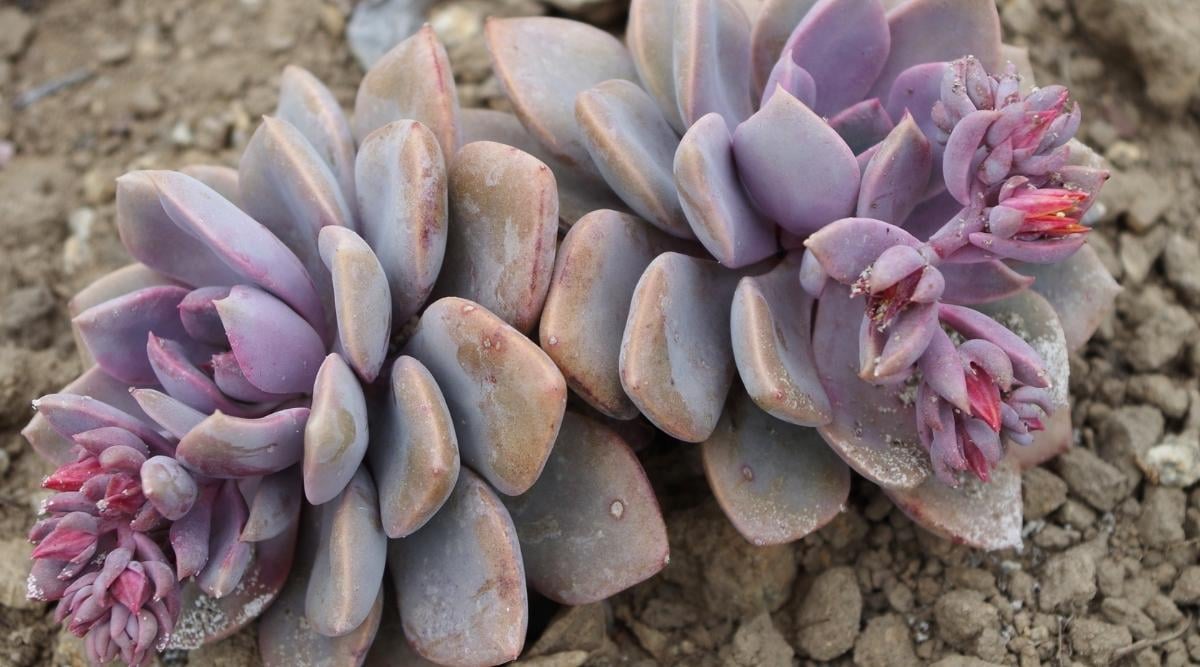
pixel 1081 291
pixel 168 487
pixel 276 349
pixel 633 147
pixel 897 176
pixel 361 299
pixel 777 151
pixel 189 535
pixel 848 247
pixel 220 178
pixel 1042 251
pixel 97 440
pixel 71 414
pixel 926 31
pixel 794 79
pixel 981 515
pixel 115 331
pixel 200 318
pixel 347 574
pixel 590 527
pixel 172 414
pixel 597 268
pixel 506 395
pixel 863 125
pixel 120 282
pixel 231 380
pixel 182 380
pixel 503 225
pixel 412 81
pixel 931 215
pixel 772 345
pixel 843 44
pixel 873 427
pixel 335 436
pixel 676 359
pixel 413 451
pixel 712 196
pixel 649 34
pixel 1028 366
pixel 401 179
pixel 308 105
pixel 228 556
pixel 775 481
pixel 915 92
pixel 542 83
pixel 712 61
pixel 972 284
pixel 275 507
pixel 774 24
pixel 230 447
pixel 961 158
pixel 460 581
pixel 55 447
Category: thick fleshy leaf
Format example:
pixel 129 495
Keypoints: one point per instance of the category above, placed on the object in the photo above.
pixel 56 447
pixel 246 251
pixel 962 155
pixel 168 487
pixel 228 556
pixel 308 105
pixel 115 331
pixel 971 284
pixel 460 580
pixel 503 225
pixel 275 348
pixel 897 176
pixel 711 194
pixel 793 79
pixel 862 125
pixel 200 318
pixel 633 147
pixel 129 278
pixel 506 395
pixel 275 507
pixel 843 44
pixel 361 299
pixel 220 178
pixel 1019 56
pixel 1047 444
pixel 97 440
pixel 649 34
pixel 579 191
pixel 347 574
pixel 335 436
pixel 189 535
pixel 926 31
pixel 772 27
pixel 676 359
pixel 771 324
pixel 173 415
pixel 183 380
pixel 1081 291
pixel 1032 319
pixel 874 426
pixel 777 482
pixel 712 61
pixel 413 450
pixel 285 636
pixel 915 92
pixel 288 187
pixel 391 647
pixel 590 527
pixel 848 247
pixel 71 414
pixel 797 170
pixel 981 515
pixel 222 446
pixel 412 81
pixel 401 178
pixel 598 266
pixel 542 83
pixel 206 619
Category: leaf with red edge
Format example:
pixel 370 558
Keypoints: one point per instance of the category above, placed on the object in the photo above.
pixel 115 331
pixel 56 447
pixel 981 515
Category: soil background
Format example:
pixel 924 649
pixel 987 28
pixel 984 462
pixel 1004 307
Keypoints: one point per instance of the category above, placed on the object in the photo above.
pixel 1108 574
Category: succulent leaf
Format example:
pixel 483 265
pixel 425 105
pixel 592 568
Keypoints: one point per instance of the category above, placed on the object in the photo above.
pixel 222 179
pixel 412 81
pixel 228 556
pixel 777 482
pixel 413 450
pixel 897 176
pixel 862 125
pixel 460 581
pixel 56 447
pixel 122 281
pixel 115 331
pixel 590 526
pixel 276 350
pixel 973 284
pixel 982 515
pixel 772 345
pixel 307 104
pixel 793 79
pixel 650 36
pixel 843 44
pixel 1080 290
pixel 176 417
pixel 222 446
pixel 676 357
pixel 633 147
pixel 772 27
pixel 711 194
pixel 361 298
pixel 712 60
pixel 503 227
pixel 275 506
pixel 335 435
pixel 71 414
pixel 506 395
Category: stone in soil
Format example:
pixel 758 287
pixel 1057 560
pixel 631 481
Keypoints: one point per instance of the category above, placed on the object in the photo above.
pixel 1068 579
pixel 758 643
pixel 1096 640
pixel 962 616
pixel 1093 479
pixel 1187 587
pixel 885 642
pixel 828 618
pixel 1042 493
pixel 1161 520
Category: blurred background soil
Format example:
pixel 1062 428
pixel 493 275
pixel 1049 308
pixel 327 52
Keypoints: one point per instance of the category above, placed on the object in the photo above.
pixel 1108 575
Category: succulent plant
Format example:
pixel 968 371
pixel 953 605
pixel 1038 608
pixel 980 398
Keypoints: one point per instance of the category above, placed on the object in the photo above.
pixel 270 385
pixel 841 234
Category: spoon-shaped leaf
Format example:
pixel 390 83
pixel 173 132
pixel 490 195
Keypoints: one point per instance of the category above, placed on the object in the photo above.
pixel 971 284
pixel 897 176
pixel 335 436
pixel 712 60
pixel 275 507
pixel 175 417
pixel 981 515
pixel 71 414
pixel 460 580
pixel 129 278
pixel 228 556
pixel 275 348
pixel 114 331
pixel 228 447
pixel 772 27
pixel 308 105
pixel 182 379
pixel 1080 290
pixel 361 299
pixel 649 34
pixel 506 395
pixel 843 44
pixel 56 447
pixel 590 527
pixel 776 482
pixel 220 178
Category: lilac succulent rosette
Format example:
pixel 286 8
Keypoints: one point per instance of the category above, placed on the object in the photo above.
pixel 815 237
pixel 316 380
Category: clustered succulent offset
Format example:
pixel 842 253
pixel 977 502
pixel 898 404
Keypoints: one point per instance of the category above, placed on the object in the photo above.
pixel 270 387
pixel 813 236
pixel 898 222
